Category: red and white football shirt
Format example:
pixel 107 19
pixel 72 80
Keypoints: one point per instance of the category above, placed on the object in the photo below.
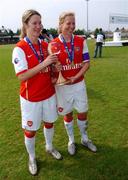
pixel 81 55
pixel 39 87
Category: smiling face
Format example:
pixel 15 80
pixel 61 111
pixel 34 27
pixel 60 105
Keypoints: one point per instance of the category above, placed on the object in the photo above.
pixel 33 26
pixel 68 26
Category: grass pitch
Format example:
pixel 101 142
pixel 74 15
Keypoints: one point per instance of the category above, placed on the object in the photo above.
pixel 107 87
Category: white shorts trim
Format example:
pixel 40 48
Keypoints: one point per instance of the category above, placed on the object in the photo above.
pixel 33 113
pixel 71 97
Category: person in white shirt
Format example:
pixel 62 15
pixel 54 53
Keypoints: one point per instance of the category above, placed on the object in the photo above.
pixel 100 39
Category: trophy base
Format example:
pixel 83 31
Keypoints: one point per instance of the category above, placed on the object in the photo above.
pixel 62 83
pixel 61 80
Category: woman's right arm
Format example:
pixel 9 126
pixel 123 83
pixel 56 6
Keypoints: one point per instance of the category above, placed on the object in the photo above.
pixel 21 66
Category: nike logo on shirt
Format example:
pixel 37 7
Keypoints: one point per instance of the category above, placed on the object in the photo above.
pixel 30 55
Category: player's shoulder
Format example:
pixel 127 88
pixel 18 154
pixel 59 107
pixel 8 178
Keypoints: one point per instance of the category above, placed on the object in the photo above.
pixel 21 43
pixel 79 38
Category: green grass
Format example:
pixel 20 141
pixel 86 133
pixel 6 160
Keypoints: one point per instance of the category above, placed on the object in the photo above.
pixel 107 86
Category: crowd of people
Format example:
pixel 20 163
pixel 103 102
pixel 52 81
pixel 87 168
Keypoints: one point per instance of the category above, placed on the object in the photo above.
pixel 37 57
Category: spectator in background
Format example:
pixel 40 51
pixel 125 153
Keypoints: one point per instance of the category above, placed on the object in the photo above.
pixel 100 39
pixel 46 36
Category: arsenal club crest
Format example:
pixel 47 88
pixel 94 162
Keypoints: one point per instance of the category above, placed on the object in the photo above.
pixel 29 123
pixel 60 109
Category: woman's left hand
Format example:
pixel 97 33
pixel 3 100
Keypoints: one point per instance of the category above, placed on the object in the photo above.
pixel 72 80
pixel 54 80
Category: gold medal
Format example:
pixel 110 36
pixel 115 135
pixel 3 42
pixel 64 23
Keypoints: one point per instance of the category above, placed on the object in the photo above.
pixel 67 61
pixel 72 63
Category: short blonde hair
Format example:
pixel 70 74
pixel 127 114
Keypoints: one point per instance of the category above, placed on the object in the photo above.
pixel 62 18
pixel 25 19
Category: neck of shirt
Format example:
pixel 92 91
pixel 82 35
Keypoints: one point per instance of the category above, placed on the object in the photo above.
pixel 67 37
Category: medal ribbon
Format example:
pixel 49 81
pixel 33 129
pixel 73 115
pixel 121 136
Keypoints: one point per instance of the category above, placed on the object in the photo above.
pixel 70 54
pixel 34 50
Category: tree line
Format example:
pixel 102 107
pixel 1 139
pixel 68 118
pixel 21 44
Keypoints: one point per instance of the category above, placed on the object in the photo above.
pixel 9 36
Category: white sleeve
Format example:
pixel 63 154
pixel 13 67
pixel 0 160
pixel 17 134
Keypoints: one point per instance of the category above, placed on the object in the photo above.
pixel 86 56
pixel 19 60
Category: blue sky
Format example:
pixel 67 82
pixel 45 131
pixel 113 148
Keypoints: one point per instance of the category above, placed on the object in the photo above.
pixel 98 12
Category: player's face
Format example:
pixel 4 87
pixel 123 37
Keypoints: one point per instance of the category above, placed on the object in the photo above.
pixel 69 25
pixel 34 26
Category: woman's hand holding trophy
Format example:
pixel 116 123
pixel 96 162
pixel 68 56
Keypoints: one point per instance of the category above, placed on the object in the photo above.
pixel 57 67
